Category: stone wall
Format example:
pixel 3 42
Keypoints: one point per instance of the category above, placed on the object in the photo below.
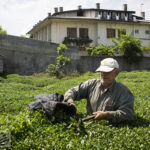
pixel 27 56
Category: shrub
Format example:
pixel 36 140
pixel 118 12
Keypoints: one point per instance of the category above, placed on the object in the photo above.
pixel 61 61
pixel 147 47
pixel 2 31
pixel 32 130
pixel 100 50
pixel 130 47
pixel 127 45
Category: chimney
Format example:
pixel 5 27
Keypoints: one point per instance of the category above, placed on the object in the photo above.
pixel 49 14
pixel 125 7
pixel 97 5
pixel 60 9
pixel 56 10
pixel 79 7
pixel 143 15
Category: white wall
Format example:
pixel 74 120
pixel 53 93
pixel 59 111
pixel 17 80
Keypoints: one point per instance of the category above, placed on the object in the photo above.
pixel 130 29
pixel 56 30
pixel 90 13
pixel 59 29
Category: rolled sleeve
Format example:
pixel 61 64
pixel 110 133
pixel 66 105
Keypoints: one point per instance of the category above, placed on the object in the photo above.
pixel 79 92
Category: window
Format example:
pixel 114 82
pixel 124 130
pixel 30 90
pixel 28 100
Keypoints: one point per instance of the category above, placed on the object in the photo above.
pixel 136 31
pixel 83 33
pixel 114 15
pixel 104 15
pixel 80 13
pixel 122 16
pixel 72 32
pixel 96 14
pixel 110 33
pixel 130 17
pixel 147 32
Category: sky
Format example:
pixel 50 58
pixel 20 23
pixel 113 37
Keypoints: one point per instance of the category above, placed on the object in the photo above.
pixel 19 16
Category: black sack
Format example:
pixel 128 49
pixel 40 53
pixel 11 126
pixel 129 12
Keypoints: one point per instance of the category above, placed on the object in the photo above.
pixel 52 105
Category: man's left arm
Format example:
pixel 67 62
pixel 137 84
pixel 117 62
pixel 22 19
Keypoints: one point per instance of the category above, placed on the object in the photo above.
pixel 124 112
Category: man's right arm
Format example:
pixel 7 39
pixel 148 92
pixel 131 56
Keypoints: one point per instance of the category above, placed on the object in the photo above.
pixel 75 93
pixel 78 92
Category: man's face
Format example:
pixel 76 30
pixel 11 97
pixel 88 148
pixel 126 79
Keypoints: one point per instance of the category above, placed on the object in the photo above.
pixel 107 78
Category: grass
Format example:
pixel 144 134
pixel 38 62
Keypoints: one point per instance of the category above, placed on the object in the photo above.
pixel 32 130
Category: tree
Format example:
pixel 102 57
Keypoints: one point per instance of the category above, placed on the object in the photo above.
pixel 23 36
pixel 2 31
pixel 61 61
pixel 129 46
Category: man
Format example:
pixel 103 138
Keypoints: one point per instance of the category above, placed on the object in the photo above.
pixel 106 98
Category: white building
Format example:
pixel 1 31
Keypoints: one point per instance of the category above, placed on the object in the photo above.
pixel 97 24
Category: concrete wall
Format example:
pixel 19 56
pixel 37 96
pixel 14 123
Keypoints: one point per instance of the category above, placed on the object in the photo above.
pixel 1 64
pixel 88 63
pixel 27 56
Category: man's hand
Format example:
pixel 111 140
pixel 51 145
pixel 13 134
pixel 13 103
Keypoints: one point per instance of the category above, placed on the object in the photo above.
pixel 71 103
pixel 100 115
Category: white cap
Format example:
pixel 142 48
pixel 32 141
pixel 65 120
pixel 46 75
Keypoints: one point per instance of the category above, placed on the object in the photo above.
pixel 107 65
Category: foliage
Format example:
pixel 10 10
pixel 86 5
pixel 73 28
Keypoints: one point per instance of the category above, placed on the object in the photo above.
pixel 77 41
pixel 146 49
pixel 100 50
pixel 2 31
pixel 148 46
pixel 121 31
pixel 32 130
pixel 130 47
pixel 127 45
pixel 61 61
pixel 23 36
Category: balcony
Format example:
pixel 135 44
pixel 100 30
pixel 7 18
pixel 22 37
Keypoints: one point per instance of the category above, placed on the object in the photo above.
pixel 81 42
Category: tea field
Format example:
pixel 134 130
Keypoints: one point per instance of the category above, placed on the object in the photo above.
pixel 32 130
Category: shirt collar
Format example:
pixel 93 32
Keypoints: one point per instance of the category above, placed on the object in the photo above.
pixel 110 88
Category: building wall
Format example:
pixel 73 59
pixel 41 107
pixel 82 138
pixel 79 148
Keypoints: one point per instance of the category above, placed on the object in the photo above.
pixel 56 30
pixel 130 29
pixel 59 29
pixel 90 14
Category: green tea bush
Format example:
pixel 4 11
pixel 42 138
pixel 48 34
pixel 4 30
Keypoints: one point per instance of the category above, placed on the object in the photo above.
pixel 32 129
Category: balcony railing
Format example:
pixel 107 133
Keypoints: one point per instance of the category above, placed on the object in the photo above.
pixel 77 41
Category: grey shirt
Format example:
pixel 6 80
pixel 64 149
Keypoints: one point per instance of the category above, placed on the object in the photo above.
pixel 117 100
